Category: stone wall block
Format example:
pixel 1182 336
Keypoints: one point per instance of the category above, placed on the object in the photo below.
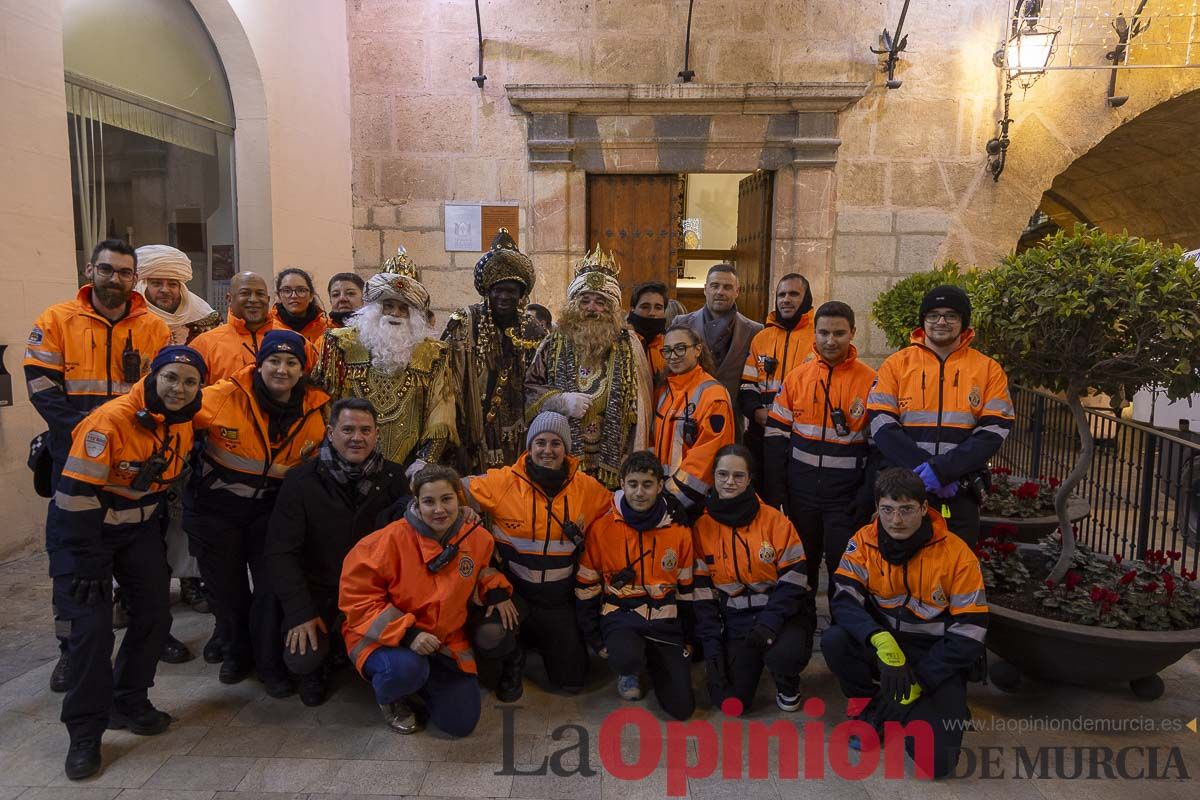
pixel 408 178
pixel 386 63
pixel 383 217
pixel 862 183
pixel 916 184
pixel 550 211
pixel 419 217
pixel 918 221
pixel 371 123
pixel 919 253
pixel 366 249
pixel 425 248
pixel 476 179
pixel 863 253
pixel 864 221
pixel 433 125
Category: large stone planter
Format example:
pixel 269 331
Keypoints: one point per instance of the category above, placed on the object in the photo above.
pixel 1031 529
pixel 1082 655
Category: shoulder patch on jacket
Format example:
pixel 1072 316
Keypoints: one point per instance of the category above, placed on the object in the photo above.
pixel 718 422
pixel 766 553
pixel 94 443
pixel 851 546
pixel 670 560
pixel 466 566
pixel 35 336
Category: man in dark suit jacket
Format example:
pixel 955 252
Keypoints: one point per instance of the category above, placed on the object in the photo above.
pixel 725 331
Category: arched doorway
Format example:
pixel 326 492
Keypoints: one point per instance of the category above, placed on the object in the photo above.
pixel 151 125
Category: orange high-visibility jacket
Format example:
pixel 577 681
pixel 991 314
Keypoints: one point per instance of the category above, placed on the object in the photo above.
pixel 697 396
pixel 756 574
pixel 94 496
pixel 658 364
pixel 789 349
pixel 821 464
pixel 660 561
pixel 232 346
pixel 74 359
pixel 935 599
pixel 388 594
pixel 238 461
pixel 535 554
pixel 312 332
pixel 954 414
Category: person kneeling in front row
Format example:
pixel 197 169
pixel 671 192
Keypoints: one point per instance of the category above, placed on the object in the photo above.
pixel 750 560
pixel 405 591
pixel 911 618
pixel 634 589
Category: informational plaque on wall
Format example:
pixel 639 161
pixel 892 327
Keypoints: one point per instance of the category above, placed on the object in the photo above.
pixel 471 227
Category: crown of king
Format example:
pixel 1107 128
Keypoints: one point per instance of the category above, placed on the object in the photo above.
pixel 598 261
pixel 401 264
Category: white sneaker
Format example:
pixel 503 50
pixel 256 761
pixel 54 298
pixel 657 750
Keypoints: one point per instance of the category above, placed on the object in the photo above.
pixel 629 687
pixel 788 702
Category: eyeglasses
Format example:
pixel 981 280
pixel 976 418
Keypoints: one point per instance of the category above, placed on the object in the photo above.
pixel 899 511
pixel 950 317
pixel 107 271
pixel 723 476
pixel 294 291
pixel 677 351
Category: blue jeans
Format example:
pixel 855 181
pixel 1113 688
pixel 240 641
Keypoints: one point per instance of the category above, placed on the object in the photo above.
pixel 451 696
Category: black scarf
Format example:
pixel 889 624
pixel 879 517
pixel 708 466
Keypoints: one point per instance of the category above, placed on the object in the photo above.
pixel 896 552
pixel 280 416
pixel 647 327
pixel 736 512
pixel 349 476
pixel 550 481
pixel 297 323
pixel 790 324
pixel 155 404
pixel 340 317
pixel 642 521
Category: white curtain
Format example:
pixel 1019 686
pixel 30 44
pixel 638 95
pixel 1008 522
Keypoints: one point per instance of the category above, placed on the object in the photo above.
pixel 88 124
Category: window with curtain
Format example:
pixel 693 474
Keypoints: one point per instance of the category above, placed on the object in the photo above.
pixel 150 174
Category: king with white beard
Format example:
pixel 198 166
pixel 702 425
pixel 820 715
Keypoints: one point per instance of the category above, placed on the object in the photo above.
pixel 384 354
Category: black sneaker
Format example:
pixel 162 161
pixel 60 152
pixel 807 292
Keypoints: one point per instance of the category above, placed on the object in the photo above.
pixel 511 684
pixel 60 678
pixel 233 672
pixel 145 721
pixel 175 652
pixel 83 758
pixel 312 688
pixel 214 650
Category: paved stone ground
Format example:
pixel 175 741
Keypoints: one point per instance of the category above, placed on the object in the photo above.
pixel 235 743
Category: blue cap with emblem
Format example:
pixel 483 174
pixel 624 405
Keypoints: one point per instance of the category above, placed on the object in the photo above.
pixel 282 341
pixel 179 354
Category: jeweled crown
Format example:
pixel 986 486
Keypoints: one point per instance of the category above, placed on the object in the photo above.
pixel 598 261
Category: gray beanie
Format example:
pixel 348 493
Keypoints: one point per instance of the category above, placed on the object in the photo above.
pixel 549 422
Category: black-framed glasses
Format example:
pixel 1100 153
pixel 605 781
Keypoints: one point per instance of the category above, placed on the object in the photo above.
pixel 108 270
pixel 294 291
pixel 678 351
pixel 951 317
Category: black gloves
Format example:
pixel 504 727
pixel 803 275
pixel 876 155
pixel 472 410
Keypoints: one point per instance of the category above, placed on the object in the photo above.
pixel 760 637
pixel 88 591
pixel 897 681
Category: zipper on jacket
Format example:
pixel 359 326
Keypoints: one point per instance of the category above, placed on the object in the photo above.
pixel 937 442
pixel 108 359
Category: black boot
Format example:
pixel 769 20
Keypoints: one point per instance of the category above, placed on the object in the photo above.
pixel 60 678
pixel 234 672
pixel 83 758
pixel 511 684
pixel 191 593
pixel 312 688
pixel 174 651
pixel 214 649
pixel 145 720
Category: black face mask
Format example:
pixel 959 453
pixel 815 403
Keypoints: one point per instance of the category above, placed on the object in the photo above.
pixel 805 307
pixel 155 404
pixel 340 317
pixel 896 552
pixel 647 327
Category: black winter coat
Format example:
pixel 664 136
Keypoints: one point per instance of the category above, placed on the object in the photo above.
pixel 315 524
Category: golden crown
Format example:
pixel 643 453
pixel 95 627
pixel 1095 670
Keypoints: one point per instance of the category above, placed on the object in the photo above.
pixel 598 261
pixel 401 264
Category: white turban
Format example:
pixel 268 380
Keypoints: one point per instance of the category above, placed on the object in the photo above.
pixel 596 281
pixel 163 262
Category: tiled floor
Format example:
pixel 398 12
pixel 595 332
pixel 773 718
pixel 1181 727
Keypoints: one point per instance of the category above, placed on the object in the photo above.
pixel 235 743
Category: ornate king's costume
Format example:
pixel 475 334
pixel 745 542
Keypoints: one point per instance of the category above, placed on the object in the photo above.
pixel 618 420
pixel 415 406
pixel 488 364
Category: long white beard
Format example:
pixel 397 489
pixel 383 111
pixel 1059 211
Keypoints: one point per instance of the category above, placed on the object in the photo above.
pixel 390 340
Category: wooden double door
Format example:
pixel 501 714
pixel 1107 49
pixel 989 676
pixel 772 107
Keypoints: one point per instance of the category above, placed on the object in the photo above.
pixel 640 219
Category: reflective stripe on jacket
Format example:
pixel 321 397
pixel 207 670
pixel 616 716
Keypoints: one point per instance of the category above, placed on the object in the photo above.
pixel 386 590
pixel 821 463
pixel 695 395
pixel 94 497
pixel 74 359
pixel 527 525
pixel 935 599
pixel 756 574
pixel 954 414
pixel 656 601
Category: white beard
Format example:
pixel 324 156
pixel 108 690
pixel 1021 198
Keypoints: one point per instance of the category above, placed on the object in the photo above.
pixel 389 340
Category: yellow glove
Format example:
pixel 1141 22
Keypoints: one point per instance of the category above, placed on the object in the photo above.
pixel 897 682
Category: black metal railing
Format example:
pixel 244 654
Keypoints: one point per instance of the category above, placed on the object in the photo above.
pixel 1143 486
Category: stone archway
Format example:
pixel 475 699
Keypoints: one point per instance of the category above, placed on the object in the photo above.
pixel 790 128
pixel 252 162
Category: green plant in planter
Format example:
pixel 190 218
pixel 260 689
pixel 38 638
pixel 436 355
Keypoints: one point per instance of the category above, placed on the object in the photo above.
pixel 1090 310
pixel 895 311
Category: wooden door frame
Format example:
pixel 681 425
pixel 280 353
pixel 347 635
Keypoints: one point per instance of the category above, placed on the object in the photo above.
pixel 790 129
